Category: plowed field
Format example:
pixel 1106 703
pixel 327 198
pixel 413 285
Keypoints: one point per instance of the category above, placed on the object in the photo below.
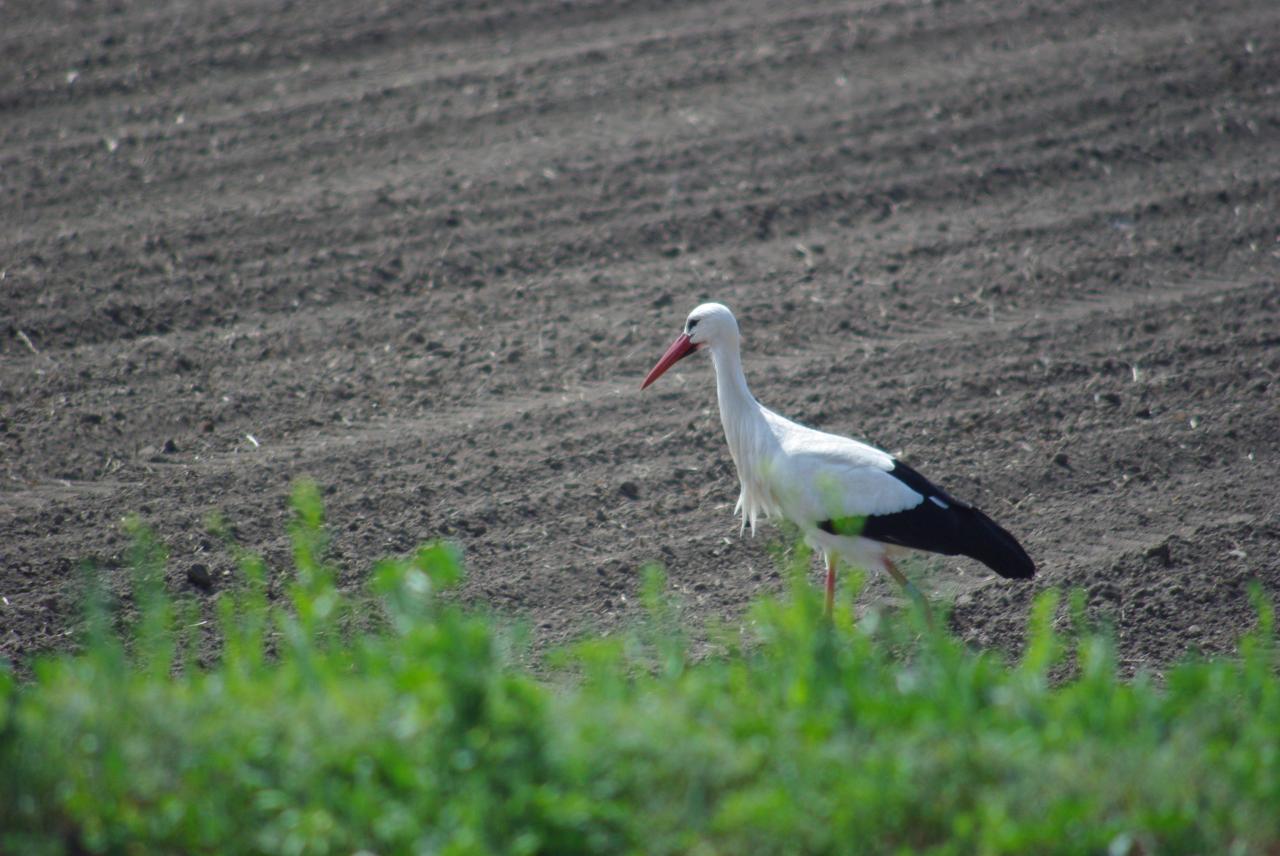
pixel 423 253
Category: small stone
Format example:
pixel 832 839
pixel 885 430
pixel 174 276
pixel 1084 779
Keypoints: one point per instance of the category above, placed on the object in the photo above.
pixel 629 489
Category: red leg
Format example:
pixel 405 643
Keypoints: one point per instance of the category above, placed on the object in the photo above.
pixel 909 587
pixel 831 582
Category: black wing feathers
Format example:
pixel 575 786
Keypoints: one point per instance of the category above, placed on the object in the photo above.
pixel 948 526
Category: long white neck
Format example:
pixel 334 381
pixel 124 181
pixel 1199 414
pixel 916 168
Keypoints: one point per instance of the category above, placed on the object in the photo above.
pixel 751 442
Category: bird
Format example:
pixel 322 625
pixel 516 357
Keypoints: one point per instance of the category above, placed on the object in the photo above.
pixel 850 500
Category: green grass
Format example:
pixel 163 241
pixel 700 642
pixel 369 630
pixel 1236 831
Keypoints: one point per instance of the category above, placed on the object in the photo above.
pixel 316 733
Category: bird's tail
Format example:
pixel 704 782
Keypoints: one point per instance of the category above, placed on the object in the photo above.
pixel 986 541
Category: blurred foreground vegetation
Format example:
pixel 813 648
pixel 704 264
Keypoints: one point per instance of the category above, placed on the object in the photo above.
pixel 320 730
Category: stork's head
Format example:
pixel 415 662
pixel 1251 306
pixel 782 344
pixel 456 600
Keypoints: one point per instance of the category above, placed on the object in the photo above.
pixel 708 326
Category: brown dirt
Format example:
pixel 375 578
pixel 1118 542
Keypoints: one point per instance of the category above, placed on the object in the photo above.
pixel 425 255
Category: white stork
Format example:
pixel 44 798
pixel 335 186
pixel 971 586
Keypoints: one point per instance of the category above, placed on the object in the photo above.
pixel 849 499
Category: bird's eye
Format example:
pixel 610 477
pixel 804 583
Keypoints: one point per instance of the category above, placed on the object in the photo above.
pixel 693 322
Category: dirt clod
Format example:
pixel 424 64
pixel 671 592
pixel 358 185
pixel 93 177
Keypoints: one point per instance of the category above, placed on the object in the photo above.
pixel 198 575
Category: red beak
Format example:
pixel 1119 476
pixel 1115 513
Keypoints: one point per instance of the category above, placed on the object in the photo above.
pixel 679 349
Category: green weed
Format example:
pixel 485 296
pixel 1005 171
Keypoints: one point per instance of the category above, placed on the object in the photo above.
pixel 413 733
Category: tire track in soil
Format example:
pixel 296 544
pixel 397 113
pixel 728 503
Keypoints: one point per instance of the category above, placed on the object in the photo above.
pixel 1029 257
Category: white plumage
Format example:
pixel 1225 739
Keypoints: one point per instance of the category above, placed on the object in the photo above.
pixel 849 499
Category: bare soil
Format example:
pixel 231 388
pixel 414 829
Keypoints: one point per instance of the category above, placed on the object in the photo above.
pixel 424 253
